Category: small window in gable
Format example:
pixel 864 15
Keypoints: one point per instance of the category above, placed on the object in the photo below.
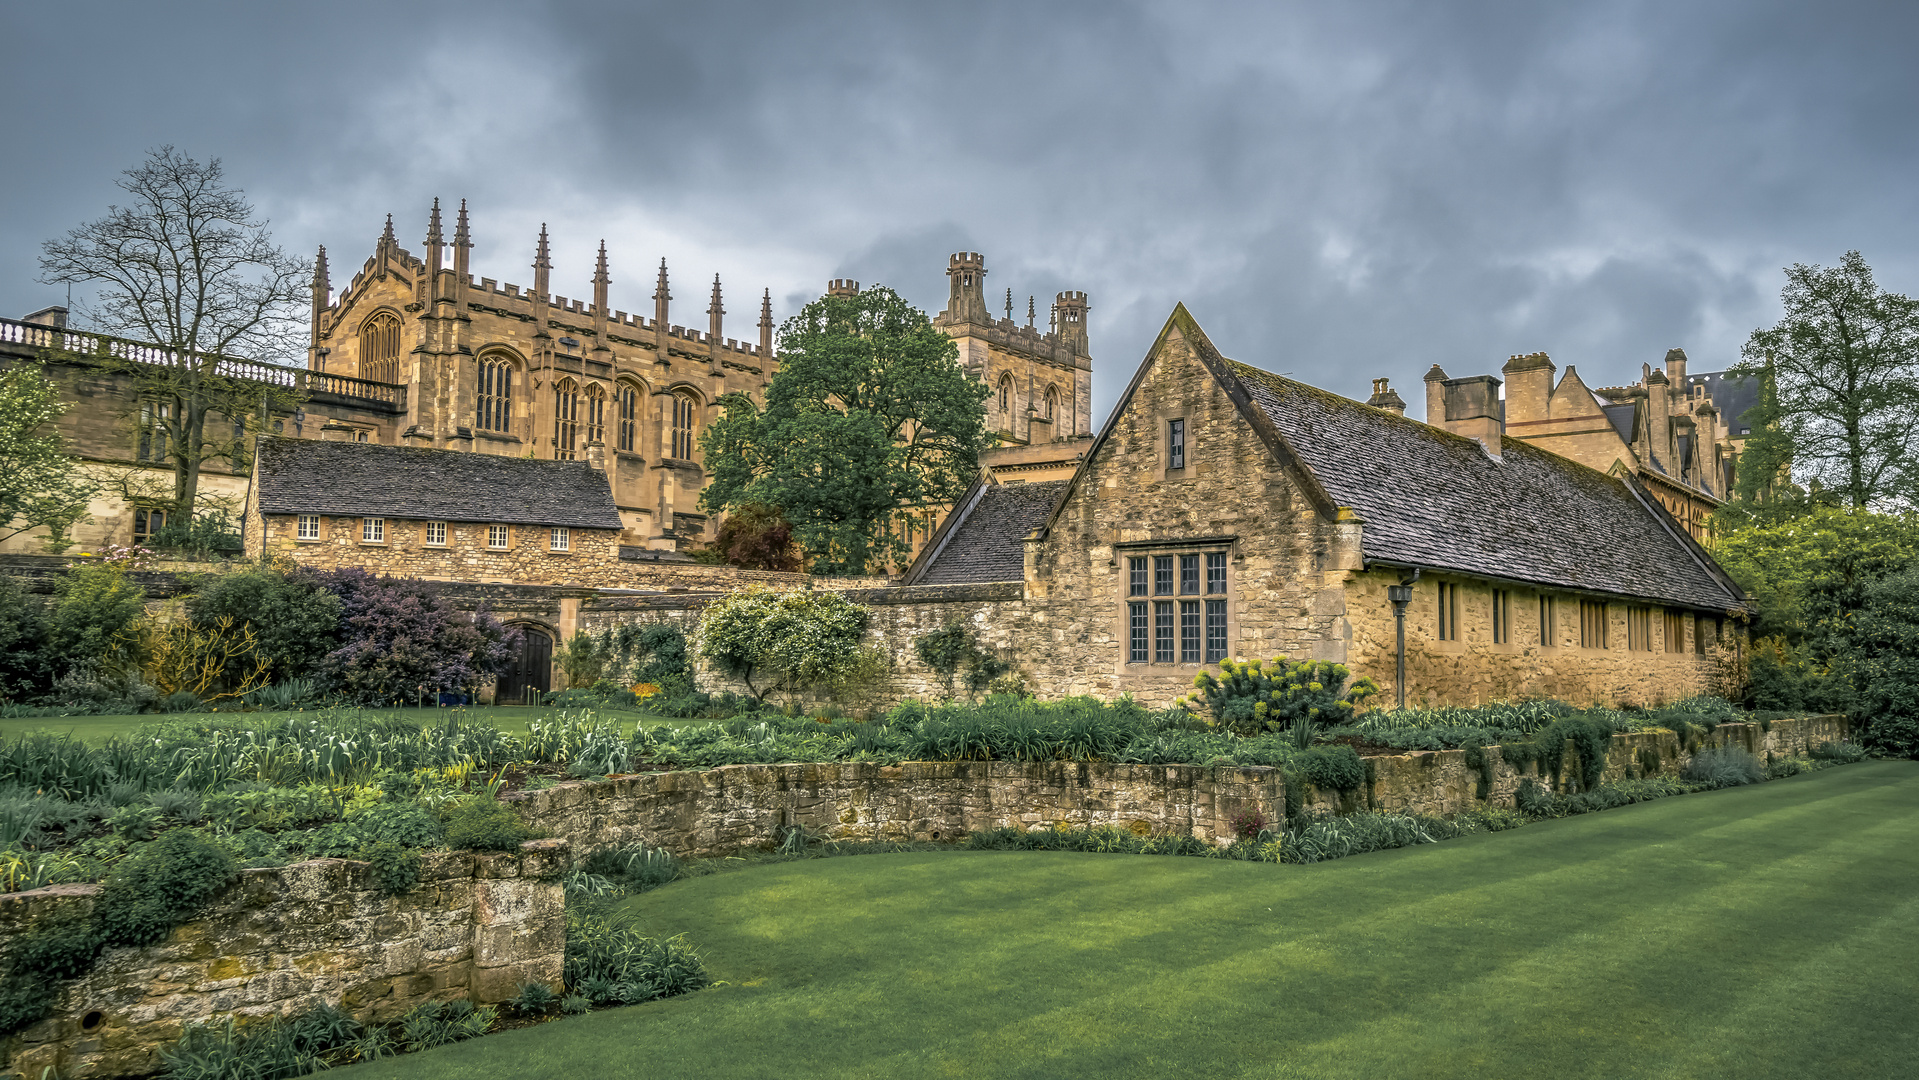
pixel 1176 444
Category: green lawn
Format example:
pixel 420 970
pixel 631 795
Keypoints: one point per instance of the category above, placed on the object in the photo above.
pixel 1770 931
pixel 508 718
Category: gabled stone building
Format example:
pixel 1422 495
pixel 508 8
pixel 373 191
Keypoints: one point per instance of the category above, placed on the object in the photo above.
pixel 1227 511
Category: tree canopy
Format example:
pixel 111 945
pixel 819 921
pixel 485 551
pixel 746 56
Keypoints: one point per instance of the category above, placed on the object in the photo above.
pixel 869 418
pixel 40 484
pixel 1843 369
pixel 190 267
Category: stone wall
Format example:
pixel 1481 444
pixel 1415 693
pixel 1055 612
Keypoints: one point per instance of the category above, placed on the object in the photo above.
pixel 592 556
pixel 718 811
pixel 1002 621
pixel 1440 782
pixel 281 940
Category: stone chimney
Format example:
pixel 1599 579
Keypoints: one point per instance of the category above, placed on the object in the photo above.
pixel 1659 413
pixel 1386 398
pixel 1529 387
pixel 596 454
pixel 55 317
pixel 1471 408
pixel 1436 397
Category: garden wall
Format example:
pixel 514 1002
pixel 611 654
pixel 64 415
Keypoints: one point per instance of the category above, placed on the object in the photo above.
pixel 477 926
pixel 718 811
pixel 1440 782
pixel 997 612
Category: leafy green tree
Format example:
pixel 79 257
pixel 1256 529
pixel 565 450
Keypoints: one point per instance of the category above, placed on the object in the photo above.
pixel 187 265
pixel 869 417
pixel 40 484
pixel 1808 570
pixel 1881 646
pixel 22 659
pixel 1765 459
pixel 782 639
pixel 1844 364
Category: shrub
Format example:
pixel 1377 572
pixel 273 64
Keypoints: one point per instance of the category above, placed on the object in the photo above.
pixel 773 639
pixel 395 869
pixel 1841 752
pixel 295 621
pixel 270 1049
pixel 1249 698
pixel 1332 768
pixel 405 823
pixel 96 609
pixel 754 536
pixel 484 824
pixel 1724 767
pixel 159 886
pixel 1352 834
pixel 1883 645
pixel 399 634
pixel 23 661
pixel 437 1023
pixel 613 963
pixel 638 867
pixel 534 999
pixel 953 648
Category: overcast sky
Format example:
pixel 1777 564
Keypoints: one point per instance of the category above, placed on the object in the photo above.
pixel 1340 191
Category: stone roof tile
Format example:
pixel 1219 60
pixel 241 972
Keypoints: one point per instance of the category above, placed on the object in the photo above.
pixel 988 543
pixel 347 479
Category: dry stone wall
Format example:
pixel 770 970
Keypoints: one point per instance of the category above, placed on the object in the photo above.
pixel 281 940
pixel 1440 782
pixel 719 811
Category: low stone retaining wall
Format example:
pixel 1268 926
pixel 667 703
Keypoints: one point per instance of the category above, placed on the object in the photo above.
pixel 477 926
pixel 718 811
pixel 1440 782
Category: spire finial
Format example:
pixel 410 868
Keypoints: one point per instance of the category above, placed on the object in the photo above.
pixel 540 253
pixel 659 292
pixel 599 272
pixel 319 267
pixel 1009 303
pixel 766 308
pixel 386 237
pixel 714 308
pixel 1031 313
pixel 433 225
pixel 460 234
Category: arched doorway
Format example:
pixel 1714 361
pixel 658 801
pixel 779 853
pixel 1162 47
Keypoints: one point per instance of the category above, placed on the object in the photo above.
pixel 532 672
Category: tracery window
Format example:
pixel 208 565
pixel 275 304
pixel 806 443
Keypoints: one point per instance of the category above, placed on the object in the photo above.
pixel 152 441
pixel 566 420
pixel 1005 394
pixel 1052 401
pixel 629 403
pixel 496 394
pixel 380 348
pixel 683 427
pixel 595 415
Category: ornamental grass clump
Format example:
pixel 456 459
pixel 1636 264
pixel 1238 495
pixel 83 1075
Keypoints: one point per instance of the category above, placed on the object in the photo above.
pixel 1250 698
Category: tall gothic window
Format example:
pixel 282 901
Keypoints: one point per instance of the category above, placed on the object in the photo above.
pixel 566 419
pixel 1005 394
pixel 683 427
pixel 1052 401
pixel 629 401
pixel 595 415
pixel 152 441
pixel 380 348
pixel 496 393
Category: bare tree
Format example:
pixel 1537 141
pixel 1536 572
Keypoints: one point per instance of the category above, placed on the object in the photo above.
pixel 189 267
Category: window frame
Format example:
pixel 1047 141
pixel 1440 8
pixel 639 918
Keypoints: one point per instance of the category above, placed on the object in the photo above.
pixel 494 401
pixel 1548 621
pixel 566 420
pixel 1502 616
pixel 1447 623
pixel 1176 444
pixel 143 522
pixel 685 427
pixel 1173 604
pixel 433 534
pixel 559 539
pixel 373 530
pixel 626 399
pixel 1595 618
pixel 501 533
pixel 301 533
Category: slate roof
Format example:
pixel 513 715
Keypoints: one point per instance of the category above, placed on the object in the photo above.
pixel 347 479
pixel 1433 499
pixel 1621 417
pixel 986 544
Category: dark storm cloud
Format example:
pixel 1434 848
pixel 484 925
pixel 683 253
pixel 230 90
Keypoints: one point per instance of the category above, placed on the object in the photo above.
pixel 1339 191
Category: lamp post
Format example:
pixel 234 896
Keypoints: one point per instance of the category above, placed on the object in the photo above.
pixel 1400 595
